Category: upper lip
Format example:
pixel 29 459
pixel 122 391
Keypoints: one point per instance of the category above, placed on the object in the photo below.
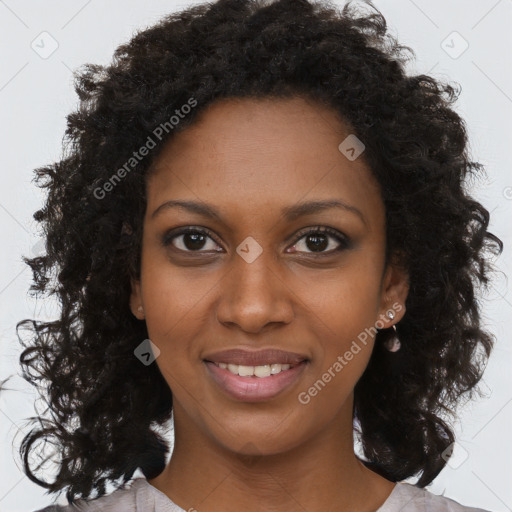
pixel 255 358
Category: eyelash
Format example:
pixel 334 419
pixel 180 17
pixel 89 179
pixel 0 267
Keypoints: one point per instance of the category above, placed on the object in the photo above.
pixel 342 239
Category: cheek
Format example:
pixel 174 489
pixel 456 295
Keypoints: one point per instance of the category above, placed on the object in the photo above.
pixel 172 301
pixel 343 308
pixel 172 297
pixel 344 300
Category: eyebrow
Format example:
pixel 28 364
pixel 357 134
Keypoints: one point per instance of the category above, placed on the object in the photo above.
pixel 290 213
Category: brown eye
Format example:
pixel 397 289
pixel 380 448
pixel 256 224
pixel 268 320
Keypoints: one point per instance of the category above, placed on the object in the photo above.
pixel 189 240
pixel 320 239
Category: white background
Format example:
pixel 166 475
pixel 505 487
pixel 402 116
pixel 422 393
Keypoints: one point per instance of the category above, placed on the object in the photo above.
pixel 36 94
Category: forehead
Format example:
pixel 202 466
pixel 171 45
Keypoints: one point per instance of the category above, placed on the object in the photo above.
pixel 246 154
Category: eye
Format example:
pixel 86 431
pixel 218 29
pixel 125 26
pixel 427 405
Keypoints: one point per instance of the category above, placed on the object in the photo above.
pixel 189 239
pixel 317 240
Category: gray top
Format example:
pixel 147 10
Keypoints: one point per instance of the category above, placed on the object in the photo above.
pixel 141 496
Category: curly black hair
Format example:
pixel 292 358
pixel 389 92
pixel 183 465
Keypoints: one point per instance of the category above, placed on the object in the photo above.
pixel 416 145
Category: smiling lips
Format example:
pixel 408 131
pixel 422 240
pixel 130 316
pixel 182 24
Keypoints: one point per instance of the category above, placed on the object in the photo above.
pixel 254 376
pixel 255 358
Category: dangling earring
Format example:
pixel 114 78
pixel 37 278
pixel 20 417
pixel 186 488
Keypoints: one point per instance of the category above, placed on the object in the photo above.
pixel 393 344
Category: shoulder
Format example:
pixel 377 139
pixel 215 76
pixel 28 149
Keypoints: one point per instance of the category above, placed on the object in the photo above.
pixel 127 499
pixel 409 498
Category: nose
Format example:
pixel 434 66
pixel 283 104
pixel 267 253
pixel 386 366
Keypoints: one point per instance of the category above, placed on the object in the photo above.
pixel 254 295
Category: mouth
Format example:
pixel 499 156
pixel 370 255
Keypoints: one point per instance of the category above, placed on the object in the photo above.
pixel 254 383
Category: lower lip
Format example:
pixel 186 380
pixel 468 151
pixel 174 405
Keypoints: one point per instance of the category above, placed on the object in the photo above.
pixel 254 389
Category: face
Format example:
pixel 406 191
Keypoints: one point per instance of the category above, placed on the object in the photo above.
pixel 262 273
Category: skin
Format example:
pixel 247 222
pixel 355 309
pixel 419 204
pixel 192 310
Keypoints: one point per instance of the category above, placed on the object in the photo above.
pixel 249 159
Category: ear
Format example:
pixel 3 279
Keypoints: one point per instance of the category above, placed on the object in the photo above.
pixel 136 299
pixel 394 291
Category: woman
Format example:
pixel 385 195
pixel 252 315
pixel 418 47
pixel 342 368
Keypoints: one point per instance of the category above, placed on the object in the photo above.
pixel 261 230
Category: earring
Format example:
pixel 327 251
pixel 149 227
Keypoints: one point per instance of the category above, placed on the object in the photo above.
pixel 140 309
pixel 393 344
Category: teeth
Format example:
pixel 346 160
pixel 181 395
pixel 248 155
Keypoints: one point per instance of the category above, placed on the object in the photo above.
pixel 265 370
